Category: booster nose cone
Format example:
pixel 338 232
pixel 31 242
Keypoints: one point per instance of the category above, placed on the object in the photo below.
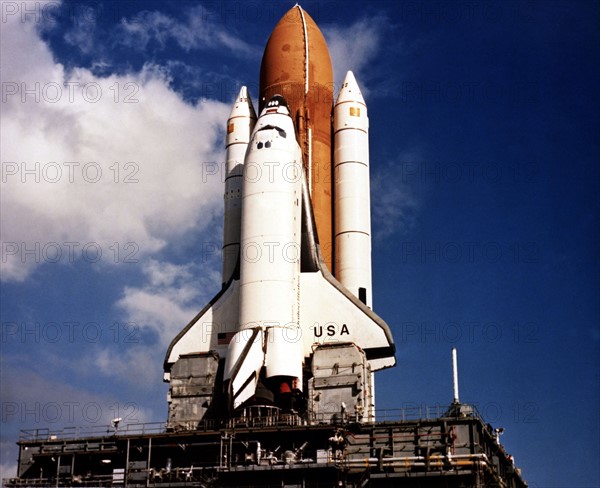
pixel 243 105
pixel 350 92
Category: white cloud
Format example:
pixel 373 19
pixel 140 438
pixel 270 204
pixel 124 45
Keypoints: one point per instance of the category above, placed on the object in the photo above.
pixel 171 296
pixel 81 35
pixel 80 38
pixel 9 454
pixel 158 143
pixel 354 47
pixel 31 401
pixel 195 32
pixel 395 206
pixel 138 367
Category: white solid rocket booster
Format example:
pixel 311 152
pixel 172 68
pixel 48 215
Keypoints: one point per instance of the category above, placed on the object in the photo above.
pixel 352 191
pixel 239 128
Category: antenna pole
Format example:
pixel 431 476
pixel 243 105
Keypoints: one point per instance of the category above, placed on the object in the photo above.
pixel 455 375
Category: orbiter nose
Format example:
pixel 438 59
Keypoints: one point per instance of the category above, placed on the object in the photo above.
pixel 276 104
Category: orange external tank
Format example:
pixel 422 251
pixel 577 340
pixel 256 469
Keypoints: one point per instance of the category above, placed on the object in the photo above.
pixel 297 65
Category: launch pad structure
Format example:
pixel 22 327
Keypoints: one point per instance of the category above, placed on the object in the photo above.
pixel 413 447
pixel 280 393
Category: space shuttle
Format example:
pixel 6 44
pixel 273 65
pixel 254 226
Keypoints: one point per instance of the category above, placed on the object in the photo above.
pixel 291 334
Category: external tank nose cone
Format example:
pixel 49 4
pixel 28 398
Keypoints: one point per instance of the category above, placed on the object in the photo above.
pixel 296 59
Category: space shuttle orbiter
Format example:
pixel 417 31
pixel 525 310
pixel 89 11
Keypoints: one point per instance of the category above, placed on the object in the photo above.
pixel 291 333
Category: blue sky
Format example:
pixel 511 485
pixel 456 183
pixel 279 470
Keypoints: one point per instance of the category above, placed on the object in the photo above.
pixel 484 138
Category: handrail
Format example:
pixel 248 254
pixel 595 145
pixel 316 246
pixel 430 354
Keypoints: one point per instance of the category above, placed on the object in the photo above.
pixel 82 432
pixel 382 416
